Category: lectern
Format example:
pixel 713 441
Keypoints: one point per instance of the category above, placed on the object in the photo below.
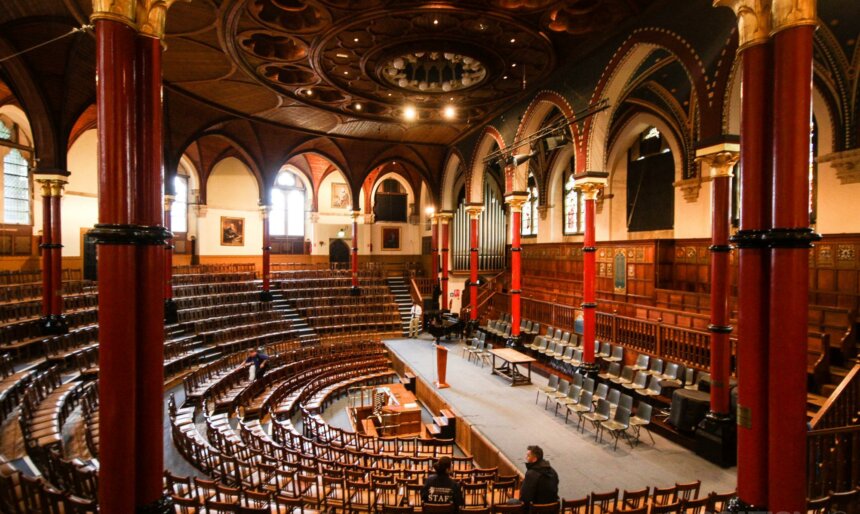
pixel 441 366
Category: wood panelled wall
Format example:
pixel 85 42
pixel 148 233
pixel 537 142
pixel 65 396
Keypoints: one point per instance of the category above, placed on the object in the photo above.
pixel 675 274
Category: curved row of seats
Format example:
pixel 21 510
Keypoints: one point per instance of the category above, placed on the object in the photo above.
pixel 67 484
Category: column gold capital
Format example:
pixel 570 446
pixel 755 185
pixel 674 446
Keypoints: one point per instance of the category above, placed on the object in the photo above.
pixel 786 14
pixel 152 16
pixel 754 20
pixel 516 200
pixel 52 185
pixel 168 202
pixel 445 217
pixel 590 183
pixel 474 211
pixel 355 215
pixel 720 159
pixel 123 11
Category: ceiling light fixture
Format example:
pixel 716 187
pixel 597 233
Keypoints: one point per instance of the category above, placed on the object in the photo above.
pixel 409 113
pixel 435 22
pixel 356 40
pixel 505 77
pixel 449 112
pixel 357 106
pixel 513 65
pixel 513 40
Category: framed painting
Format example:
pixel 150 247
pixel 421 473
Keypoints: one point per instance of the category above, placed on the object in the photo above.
pixel 232 231
pixel 339 196
pixel 391 238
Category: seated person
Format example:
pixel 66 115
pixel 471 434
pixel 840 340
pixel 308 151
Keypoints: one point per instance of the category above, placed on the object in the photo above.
pixel 441 488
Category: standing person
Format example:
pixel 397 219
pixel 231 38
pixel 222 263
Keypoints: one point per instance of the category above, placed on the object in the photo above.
pixel 540 484
pixel 258 360
pixel 441 488
pixel 415 320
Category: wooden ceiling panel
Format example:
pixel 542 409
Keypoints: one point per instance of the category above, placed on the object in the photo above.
pixel 190 61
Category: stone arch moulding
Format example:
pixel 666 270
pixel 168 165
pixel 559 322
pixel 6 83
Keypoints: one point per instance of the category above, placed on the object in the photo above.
pixel 537 110
pixel 623 63
pixel 454 166
pixel 475 177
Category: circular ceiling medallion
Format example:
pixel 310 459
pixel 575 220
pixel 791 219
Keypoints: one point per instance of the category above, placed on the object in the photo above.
pixel 371 62
pixel 433 72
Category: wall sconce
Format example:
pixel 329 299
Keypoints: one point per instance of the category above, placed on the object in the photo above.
pixel 341 233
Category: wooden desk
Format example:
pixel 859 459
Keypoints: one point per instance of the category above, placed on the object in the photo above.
pixel 401 404
pixel 510 359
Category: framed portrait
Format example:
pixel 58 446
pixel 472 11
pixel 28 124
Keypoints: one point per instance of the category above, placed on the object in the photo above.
pixel 232 231
pixel 339 196
pixel 391 238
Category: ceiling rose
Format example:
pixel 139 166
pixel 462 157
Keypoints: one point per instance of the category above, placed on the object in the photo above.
pixel 433 72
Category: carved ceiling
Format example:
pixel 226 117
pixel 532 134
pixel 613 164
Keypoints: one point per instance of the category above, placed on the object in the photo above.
pixel 350 68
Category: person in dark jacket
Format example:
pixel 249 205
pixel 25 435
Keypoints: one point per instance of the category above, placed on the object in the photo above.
pixel 540 484
pixel 440 488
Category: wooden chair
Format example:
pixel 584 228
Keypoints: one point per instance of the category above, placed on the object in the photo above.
pixel 288 505
pixel 664 495
pixel 696 506
pixel 688 491
pixel 503 508
pixel 601 503
pixel 579 506
pixel 395 509
pixel 635 499
pixel 719 502
pixel 359 496
pixel 668 508
pixel 439 508
pixel 474 495
pixel 544 508
pixel 502 490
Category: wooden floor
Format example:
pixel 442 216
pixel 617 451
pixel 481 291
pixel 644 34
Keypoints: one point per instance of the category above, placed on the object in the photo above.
pixel 510 419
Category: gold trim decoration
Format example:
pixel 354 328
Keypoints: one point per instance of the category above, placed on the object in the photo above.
pixel 690 188
pixel 474 211
pixel 516 201
pixel 168 202
pixel 445 217
pixel 720 159
pixel 754 20
pixel 152 16
pixel 123 11
pixel 52 185
pixel 786 14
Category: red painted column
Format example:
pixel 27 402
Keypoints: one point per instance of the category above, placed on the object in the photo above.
pixel 718 161
pixel 589 283
pixel 790 240
pixel 149 213
pixel 47 268
pixel 753 271
pixel 117 265
pixel 589 184
pixel 56 251
pixel 444 219
pixel 355 288
pixel 515 201
pixel 266 295
pixel 474 211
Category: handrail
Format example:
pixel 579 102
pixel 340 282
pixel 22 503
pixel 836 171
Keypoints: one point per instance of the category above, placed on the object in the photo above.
pixel 842 406
pixel 415 292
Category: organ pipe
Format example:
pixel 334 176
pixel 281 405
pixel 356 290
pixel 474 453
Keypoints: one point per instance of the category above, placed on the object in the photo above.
pixel 491 234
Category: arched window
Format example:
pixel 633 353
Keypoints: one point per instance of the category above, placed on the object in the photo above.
pixel 530 214
pixel 574 201
pixel 650 175
pixel 390 202
pixel 16 182
pixel 287 217
pixel 179 209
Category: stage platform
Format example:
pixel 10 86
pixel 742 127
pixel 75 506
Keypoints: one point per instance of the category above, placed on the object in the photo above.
pixel 510 420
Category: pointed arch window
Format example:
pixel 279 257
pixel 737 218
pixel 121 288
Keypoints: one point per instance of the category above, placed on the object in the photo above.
pixel 179 209
pixel 16 189
pixel 529 226
pixel 574 202
pixel 287 217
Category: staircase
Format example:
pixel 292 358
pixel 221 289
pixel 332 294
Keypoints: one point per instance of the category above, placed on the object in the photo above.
pixel 400 291
pixel 299 323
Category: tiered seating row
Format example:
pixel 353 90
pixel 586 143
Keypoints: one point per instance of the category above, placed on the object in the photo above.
pixel 45 405
pixel 208 278
pixel 199 269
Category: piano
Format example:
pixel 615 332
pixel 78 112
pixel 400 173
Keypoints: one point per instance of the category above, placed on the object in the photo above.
pixel 443 324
